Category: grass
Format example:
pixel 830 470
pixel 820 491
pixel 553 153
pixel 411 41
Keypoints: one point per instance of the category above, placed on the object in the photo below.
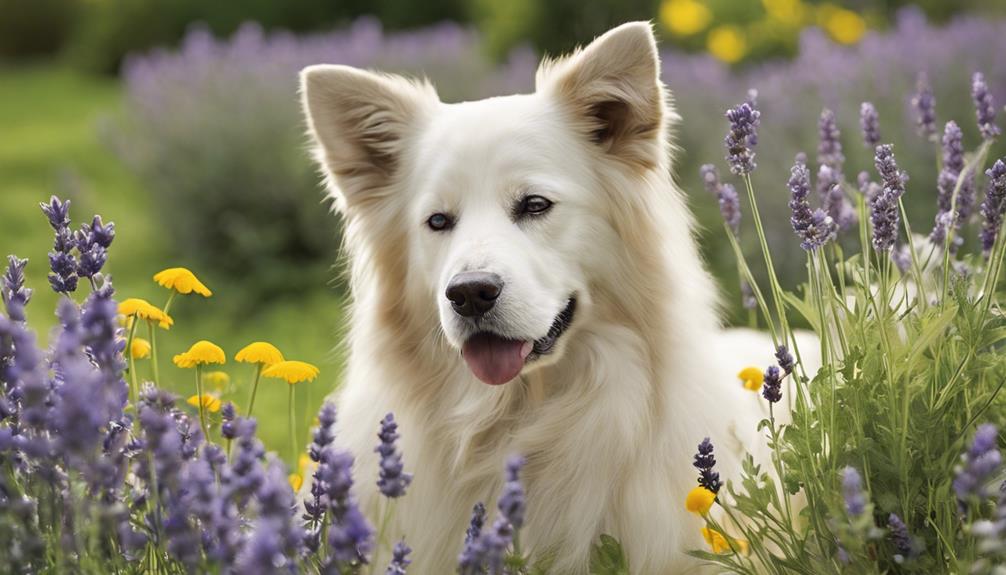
pixel 52 143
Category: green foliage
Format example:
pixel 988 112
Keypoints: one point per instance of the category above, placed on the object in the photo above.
pixel 608 558
pixel 34 27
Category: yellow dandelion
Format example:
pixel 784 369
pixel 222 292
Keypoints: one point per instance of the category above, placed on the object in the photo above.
pixel 292 371
pixel 699 500
pixel 786 12
pixel 685 17
pixel 259 352
pixel 182 281
pixel 845 26
pixel 208 402
pixel 219 379
pixel 719 544
pixel 296 480
pixel 141 308
pixel 140 348
pixel 201 353
pixel 752 378
pixel 727 43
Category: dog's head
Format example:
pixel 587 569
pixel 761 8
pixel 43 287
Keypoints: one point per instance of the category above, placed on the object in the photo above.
pixel 506 203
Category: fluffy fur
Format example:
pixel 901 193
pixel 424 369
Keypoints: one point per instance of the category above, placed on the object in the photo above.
pixel 609 421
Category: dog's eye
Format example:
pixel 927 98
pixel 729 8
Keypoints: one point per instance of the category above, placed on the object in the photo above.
pixel 534 205
pixel 440 222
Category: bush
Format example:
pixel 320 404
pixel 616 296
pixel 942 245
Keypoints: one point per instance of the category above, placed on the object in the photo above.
pixel 216 134
pixel 35 27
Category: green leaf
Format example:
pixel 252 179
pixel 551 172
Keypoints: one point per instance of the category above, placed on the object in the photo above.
pixel 608 558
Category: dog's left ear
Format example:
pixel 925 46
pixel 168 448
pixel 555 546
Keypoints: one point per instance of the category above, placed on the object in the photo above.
pixel 612 89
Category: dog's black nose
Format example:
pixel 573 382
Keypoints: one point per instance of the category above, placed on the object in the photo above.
pixel 472 294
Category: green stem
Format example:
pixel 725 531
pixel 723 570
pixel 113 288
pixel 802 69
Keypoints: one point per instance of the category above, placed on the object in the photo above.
pixel 202 411
pixel 134 387
pixel 293 431
pixel 251 402
pixel 167 304
pixel 153 353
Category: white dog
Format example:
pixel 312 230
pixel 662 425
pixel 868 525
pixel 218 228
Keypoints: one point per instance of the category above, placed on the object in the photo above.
pixel 525 280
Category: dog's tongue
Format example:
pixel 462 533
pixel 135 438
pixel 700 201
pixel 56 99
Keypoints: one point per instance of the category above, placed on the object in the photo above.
pixel 493 359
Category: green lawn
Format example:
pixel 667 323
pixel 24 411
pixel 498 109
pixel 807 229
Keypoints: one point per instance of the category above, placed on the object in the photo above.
pixel 52 140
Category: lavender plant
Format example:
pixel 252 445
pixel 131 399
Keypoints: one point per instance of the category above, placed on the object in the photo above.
pixel 94 481
pixel 891 459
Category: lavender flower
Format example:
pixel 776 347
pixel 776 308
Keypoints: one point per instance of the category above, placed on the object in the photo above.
pixel 924 103
pixel 704 462
pixel 985 108
pixel 324 435
pixel 993 206
pixel 869 123
pixel 399 559
pixel 512 503
pixel 946 184
pixel 772 388
pixel 852 492
pixel 901 255
pixel 349 535
pixel 813 227
pixel 785 359
pixel 392 481
pixel 742 138
pixel 829 147
pixel 227 415
pixel 835 204
pixel 477 522
pixel 472 555
pixel 978 464
pixel 884 211
pixel 92 242
pixel 904 544
pixel 15 295
pixel 63 278
pixel 726 197
pixel 274 543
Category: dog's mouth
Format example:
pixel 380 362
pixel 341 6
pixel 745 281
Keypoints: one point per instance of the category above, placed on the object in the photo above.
pixel 496 359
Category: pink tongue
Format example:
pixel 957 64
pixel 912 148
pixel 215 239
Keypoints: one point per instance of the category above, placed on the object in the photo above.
pixel 493 359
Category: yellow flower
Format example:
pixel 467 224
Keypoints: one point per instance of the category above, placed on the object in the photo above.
pixel 845 26
pixel 304 463
pixel 699 500
pixel 291 371
pixel 259 352
pixel 219 379
pixel 787 12
pixel 141 308
pixel 140 348
pixel 718 543
pixel 685 17
pixel 209 402
pixel 296 480
pixel 727 43
pixel 752 377
pixel 201 353
pixel 182 281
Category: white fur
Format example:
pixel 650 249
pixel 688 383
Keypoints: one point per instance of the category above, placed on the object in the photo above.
pixel 610 421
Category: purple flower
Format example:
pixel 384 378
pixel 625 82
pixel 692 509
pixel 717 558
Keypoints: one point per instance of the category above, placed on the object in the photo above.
pixel 63 278
pixel 15 295
pixel 813 227
pixel 399 559
pixel 993 206
pixel 726 196
pixel 904 544
pixel 985 108
pixel 275 540
pixel 785 359
pixel 227 428
pixel 924 103
pixel 92 242
pixel 831 188
pixel 884 211
pixel 324 435
pixel 772 388
pixel 852 492
pixel 247 473
pixel 902 257
pixel 704 462
pixel 829 147
pixel 869 123
pixel 477 522
pixel 350 536
pixel 512 503
pixel 742 138
pixel 392 480
pixel 978 465
pixel 472 556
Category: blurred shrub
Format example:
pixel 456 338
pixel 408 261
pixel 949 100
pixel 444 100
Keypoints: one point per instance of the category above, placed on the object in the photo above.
pixel 34 27
pixel 215 133
pixel 111 29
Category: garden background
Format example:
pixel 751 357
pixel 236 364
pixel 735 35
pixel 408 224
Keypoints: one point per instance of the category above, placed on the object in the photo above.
pixel 179 120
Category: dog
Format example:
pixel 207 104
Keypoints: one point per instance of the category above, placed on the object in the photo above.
pixel 525 280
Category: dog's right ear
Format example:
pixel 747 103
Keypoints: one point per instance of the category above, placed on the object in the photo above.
pixel 360 121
